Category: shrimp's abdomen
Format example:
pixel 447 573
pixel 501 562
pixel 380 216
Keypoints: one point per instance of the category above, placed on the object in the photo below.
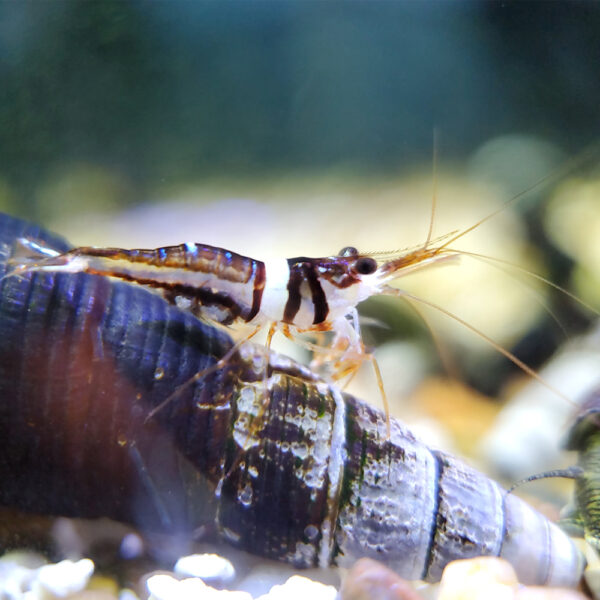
pixel 211 282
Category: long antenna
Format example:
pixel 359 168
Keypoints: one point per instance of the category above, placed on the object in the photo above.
pixel 574 472
pixel 435 186
pixel 555 175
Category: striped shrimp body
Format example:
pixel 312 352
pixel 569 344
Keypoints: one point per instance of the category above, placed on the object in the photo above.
pixel 307 294
pixel 319 481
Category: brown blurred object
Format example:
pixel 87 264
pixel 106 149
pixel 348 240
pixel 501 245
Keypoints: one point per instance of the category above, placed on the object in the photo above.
pixel 465 413
pixel 24 530
pixel 369 579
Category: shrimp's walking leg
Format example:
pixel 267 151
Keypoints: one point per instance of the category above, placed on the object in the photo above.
pixel 351 354
pixel 222 362
pixel 266 396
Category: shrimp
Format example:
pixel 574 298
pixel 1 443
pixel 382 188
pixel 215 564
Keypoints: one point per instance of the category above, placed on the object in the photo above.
pixel 296 295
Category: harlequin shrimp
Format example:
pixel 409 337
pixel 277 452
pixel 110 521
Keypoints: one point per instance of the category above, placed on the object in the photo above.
pixel 295 296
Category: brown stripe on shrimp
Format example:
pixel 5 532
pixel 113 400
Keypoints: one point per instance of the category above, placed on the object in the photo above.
pixel 259 278
pixel 305 270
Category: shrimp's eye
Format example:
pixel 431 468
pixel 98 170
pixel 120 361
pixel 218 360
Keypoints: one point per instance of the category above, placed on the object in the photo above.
pixel 365 265
pixel 348 251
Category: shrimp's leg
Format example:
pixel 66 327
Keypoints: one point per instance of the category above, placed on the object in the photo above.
pixel 356 354
pixel 264 404
pixel 348 353
pixel 222 362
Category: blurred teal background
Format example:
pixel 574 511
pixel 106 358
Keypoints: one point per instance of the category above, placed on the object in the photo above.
pixel 155 93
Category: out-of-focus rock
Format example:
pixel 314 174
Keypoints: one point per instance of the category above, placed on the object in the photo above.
pixel 483 578
pixel 526 437
pixel 93 595
pixel 300 588
pixel 211 568
pixel 369 579
pixel 64 578
pixel 464 413
pixel 492 578
pixel 167 587
pixel 265 575
pixel 24 576
pixel 572 221
pixel 544 593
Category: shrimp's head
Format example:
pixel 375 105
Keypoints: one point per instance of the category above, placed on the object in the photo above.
pixel 351 277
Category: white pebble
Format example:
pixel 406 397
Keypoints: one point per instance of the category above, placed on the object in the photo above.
pixel 166 587
pixel 209 567
pixel 64 578
pixel 14 581
pixel 300 588
pixel 483 578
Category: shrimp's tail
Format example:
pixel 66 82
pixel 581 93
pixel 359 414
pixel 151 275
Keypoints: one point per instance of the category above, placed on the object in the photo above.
pixel 29 255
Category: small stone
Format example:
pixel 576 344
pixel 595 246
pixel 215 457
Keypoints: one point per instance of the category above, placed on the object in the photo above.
pixel 132 546
pixel 482 578
pixel 14 579
pixel 369 579
pixel 264 576
pixel 63 578
pixel 211 568
pixel 534 592
pixel 166 587
pixel 591 576
pixel 28 560
pixel 92 595
pixel 127 594
pixel 300 588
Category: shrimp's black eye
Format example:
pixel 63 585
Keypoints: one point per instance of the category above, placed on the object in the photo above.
pixel 348 251
pixel 365 265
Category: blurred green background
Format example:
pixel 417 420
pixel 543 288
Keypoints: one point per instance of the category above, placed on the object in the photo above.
pixel 159 92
